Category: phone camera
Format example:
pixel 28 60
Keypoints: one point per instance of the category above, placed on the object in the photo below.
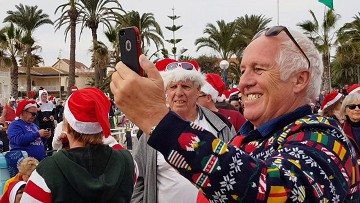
pixel 128 45
pixel 122 33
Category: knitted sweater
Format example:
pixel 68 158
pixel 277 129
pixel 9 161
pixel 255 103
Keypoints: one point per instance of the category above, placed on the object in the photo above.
pixel 92 174
pixel 25 136
pixel 145 190
pixel 308 160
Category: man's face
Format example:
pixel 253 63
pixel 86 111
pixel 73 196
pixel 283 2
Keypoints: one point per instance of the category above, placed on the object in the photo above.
pixel 264 95
pixel 182 96
pixel 235 104
pixel 29 114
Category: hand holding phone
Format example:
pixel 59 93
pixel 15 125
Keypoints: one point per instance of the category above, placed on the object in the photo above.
pixel 130 48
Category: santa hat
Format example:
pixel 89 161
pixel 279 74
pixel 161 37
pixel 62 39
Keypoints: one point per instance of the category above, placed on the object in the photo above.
pixel 233 91
pixel 86 111
pixel 178 73
pixel 51 98
pixel 112 143
pixel 329 100
pixel 214 86
pixel 11 99
pixel 73 89
pixel 10 194
pixel 353 88
pixel 23 105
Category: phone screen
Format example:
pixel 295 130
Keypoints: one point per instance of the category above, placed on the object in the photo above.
pixel 130 48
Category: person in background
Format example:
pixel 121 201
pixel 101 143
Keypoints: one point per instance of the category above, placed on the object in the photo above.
pixel 282 153
pixel 26 167
pixel 89 171
pixel 7 116
pixel 46 117
pixel 345 90
pixel 350 113
pixel 331 105
pixel 159 182
pixel 14 193
pixel 24 134
pixel 59 110
pixel 210 91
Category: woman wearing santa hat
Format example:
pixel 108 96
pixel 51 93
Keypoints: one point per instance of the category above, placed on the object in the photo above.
pixel 14 193
pixel 24 135
pixel 331 105
pixel 89 171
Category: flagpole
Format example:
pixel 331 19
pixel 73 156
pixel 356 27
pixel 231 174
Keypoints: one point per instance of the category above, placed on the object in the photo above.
pixel 278 11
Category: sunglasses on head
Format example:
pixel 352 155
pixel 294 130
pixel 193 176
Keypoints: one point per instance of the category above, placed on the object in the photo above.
pixel 32 113
pixel 353 106
pixel 274 31
pixel 184 65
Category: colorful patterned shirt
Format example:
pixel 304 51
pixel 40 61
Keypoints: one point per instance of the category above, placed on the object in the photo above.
pixel 305 160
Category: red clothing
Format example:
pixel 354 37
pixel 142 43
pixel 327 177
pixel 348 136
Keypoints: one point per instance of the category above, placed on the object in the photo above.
pixel 347 129
pixel 235 117
pixel 10 113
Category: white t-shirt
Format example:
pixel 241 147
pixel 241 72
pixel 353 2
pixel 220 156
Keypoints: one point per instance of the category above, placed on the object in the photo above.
pixel 173 187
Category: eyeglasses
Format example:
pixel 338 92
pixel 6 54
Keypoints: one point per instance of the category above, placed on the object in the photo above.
pixel 274 31
pixel 184 65
pixel 32 113
pixel 203 95
pixel 353 106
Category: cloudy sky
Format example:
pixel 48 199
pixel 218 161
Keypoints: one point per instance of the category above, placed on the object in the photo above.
pixel 195 14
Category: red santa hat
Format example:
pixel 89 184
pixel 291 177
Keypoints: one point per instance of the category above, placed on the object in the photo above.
pixel 73 89
pixel 214 86
pixel 10 194
pixel 86 111
pixel 329 100
pixel 353 88
pixel 23 105
pixel 234 91
pixel 179 73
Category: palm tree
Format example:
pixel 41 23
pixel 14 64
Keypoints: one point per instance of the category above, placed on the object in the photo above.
pixel 112 36
pixel 10 42
pixel 95 12
pixel 28 18
pixel 101 58
pixel 69 16
pixel 149 29
pixel 323 37
pixel 346 68
pixel 220 38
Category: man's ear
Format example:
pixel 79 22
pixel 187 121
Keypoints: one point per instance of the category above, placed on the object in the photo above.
pixel 301 81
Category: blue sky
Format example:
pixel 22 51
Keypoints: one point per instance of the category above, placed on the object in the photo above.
pixel 195 14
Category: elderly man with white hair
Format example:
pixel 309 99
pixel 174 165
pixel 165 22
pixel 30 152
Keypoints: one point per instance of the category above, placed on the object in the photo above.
pixel 159 182
pixel 282 153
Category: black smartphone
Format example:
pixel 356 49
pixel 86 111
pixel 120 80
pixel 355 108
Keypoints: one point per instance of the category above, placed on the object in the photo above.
pixel 130 48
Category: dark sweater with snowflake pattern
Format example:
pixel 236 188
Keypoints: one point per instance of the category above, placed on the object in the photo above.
pixel 306 159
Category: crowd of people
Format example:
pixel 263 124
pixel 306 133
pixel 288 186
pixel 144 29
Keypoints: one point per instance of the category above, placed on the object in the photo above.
pixel 273 138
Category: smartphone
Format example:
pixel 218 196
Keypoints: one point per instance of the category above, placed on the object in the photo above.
pixel 130 48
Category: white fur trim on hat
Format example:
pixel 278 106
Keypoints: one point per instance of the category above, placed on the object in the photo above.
pixel 331 102
pixel 208 89
pixel 354 90
pixel 11 99
pixel 180 74
pixel 14 190
pixel 29 105
pixel 79 126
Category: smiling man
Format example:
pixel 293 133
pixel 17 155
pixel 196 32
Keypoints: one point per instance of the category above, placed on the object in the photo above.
pixel 282 153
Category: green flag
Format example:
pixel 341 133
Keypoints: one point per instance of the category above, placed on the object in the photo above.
pixel 328 3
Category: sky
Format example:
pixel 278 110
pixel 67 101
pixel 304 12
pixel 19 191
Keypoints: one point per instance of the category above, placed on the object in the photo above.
pixel 195 15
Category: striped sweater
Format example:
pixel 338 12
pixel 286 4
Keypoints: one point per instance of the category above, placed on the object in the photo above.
pixel 309 160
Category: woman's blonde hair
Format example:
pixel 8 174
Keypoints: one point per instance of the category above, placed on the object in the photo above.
pixel 28 165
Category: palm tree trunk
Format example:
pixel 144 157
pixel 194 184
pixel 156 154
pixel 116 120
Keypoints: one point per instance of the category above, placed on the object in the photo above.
pixel 28 68
pixel 14 77
pixel 73 13
pixel 94 63
pixel 327 74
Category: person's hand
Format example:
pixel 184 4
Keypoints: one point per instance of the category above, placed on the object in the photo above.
pixel 44 133
pixel 141 99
